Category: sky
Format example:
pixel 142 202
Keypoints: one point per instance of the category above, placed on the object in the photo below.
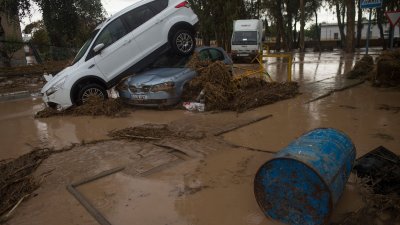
pixel 113 6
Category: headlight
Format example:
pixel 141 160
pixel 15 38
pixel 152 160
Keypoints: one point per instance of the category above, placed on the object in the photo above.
pixel 57 86
pixel 163 86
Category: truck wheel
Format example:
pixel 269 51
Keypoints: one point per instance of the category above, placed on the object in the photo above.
pixel 183 42
pixel 91 90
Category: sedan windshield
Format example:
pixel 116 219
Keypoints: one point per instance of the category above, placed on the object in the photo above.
pixel 85 47
pixel 244 38
pixel 170 61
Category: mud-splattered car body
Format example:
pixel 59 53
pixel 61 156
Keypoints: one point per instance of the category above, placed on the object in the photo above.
pixel 163 83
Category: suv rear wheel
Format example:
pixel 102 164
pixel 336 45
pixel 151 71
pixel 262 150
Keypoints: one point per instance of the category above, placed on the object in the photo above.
pixel 89 91
pixel 183 42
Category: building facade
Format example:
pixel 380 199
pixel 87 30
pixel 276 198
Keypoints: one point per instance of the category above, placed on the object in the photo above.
pixel 331 32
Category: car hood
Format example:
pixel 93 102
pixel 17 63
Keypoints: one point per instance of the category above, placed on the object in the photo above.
pixel 59 76
pixel 157 76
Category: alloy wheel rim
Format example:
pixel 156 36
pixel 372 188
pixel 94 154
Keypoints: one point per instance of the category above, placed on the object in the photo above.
pixel 184 42
pixel 92 92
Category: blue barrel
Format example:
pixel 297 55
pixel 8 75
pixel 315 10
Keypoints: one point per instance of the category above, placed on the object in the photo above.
pixel 303 182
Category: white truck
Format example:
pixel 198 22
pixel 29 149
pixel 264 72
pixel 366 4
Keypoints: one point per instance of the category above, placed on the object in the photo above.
pixel 247 38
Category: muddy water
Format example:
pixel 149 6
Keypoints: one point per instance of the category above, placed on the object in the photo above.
pixel 216 190
pixel 354 111
pixel 213 184
pixel 20 131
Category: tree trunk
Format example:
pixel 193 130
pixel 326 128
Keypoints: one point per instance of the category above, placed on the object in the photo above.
pixel 318 30
pixel 302 25
pixel 350 26
pixel 278 45
pixel 340 24
pixel 359 24
pixel 295 42
pixel 281 25
pixel 379 13
pixel 258 8
pixel 289 34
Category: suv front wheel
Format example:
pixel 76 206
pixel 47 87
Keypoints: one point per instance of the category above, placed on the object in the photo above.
pixel 183 42
pixel 91 91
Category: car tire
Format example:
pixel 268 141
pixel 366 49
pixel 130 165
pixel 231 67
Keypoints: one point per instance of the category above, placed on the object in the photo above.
pixel 183 42
pixel 90 90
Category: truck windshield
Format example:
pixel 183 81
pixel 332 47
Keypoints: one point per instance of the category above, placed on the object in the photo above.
pixel 244 38
pixel 85 47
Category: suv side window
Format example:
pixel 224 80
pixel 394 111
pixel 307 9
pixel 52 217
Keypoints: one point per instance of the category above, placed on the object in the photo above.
pixel 112 33
pixel 138 16
pixel 159 5
pixel 216 55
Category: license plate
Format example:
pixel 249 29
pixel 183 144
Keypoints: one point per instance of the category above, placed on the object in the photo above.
pixel 139 97
pixel 243 54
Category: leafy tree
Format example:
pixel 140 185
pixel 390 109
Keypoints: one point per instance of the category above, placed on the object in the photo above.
pixel 30 27
pixel 312 32
pixel 216 19
pixel 61 20
pixel 286 14
pixel 15 7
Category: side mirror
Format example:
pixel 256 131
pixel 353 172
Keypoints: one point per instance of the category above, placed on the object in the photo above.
pixel 98 48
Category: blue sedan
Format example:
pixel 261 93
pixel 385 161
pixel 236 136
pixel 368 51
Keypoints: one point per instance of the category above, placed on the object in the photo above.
pixel 162 84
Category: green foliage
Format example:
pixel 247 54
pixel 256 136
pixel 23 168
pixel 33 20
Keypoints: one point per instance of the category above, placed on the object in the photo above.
pixel 312 31
pixel 70 22
pixel 40 37
pixel 29 28
pixel 15 7
pixel 216 19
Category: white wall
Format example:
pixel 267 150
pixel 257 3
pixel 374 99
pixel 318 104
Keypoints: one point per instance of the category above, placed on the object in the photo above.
pixel 328 32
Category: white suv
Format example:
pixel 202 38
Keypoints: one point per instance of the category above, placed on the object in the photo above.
pixel 124 44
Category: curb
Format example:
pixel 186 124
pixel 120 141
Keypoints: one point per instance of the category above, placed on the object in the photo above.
pixel 14 95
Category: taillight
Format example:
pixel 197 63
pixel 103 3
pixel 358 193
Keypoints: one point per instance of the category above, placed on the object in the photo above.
pixel 183 4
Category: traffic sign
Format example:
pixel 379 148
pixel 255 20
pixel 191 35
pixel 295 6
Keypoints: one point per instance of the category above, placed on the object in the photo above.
pixel 393 17
pixel 370 4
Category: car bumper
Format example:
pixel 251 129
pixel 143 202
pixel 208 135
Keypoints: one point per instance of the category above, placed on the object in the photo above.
pixel 244 55
pixel 155 99
pixel 59 100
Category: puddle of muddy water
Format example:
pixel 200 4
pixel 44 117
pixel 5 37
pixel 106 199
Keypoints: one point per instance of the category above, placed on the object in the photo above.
pixel 20 131
pixel 293 118
pixel 127 200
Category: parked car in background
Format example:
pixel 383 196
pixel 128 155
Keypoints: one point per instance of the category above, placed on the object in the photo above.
pixel 163 83
pixel 124 44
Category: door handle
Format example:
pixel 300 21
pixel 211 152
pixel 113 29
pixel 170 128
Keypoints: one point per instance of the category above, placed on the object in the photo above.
pixel 127 42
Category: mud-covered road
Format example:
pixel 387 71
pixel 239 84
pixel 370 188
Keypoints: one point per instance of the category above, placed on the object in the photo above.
pixel 193 181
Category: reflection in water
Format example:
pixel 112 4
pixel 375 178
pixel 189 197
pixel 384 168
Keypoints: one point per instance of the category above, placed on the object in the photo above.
pixel 42 131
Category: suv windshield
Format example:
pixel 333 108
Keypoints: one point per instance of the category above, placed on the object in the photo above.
pixel 244 38
pixel 85 47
